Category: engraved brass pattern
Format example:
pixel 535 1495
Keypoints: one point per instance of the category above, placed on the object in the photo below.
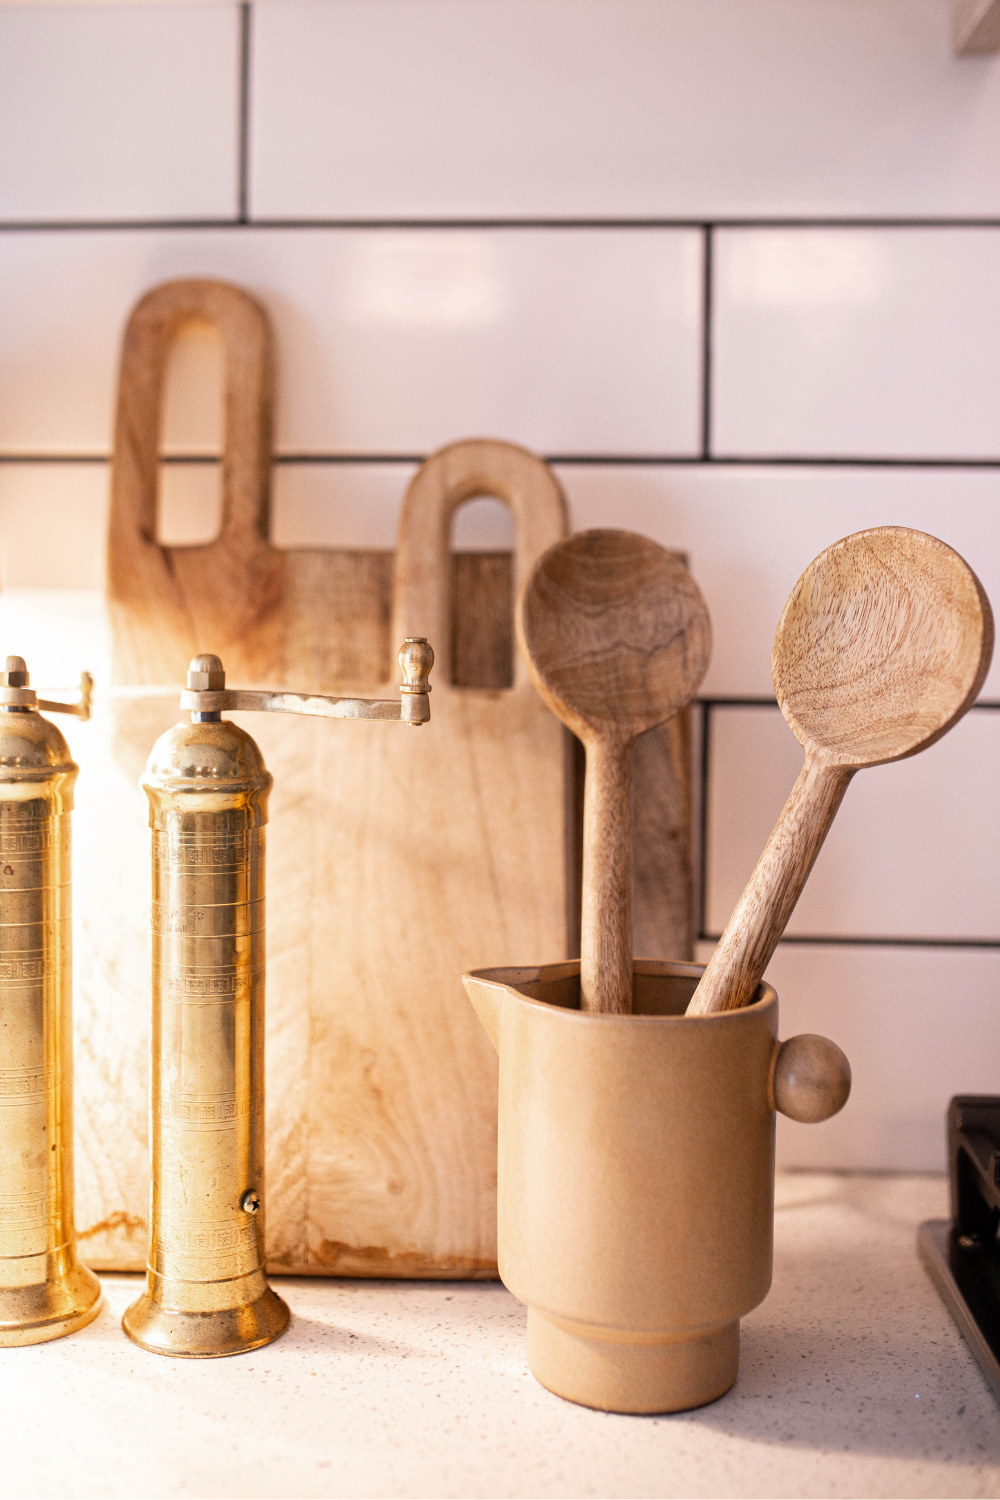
pixel 206 1292
pixel 45 1291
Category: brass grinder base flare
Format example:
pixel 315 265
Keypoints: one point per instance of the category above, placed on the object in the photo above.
pixel 45 1291
pixel 209 1335
pixel 206 1293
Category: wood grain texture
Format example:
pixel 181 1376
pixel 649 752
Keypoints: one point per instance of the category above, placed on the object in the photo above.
pixel 230 591
pixel 810 1078
pixel 883 645
pixel 663 915
pixel 617 638
pixel 663 908
pixel 975 29
pixel 394 860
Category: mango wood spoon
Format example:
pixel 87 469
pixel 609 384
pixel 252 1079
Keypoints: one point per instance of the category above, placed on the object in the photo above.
pixel 882 646
pixel 616 638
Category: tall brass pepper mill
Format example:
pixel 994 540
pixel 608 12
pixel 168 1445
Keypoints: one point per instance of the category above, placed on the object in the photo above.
pixel 45 1291
pixel 206 1292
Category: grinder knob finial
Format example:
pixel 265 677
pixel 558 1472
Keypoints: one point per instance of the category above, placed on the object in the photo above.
pixel 416 657
pixel 206 674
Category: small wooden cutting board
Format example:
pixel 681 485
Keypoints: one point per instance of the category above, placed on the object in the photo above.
pixel 395 861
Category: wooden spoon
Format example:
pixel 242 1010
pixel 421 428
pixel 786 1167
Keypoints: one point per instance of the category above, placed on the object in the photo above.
pixel 882 646
pixel 616 637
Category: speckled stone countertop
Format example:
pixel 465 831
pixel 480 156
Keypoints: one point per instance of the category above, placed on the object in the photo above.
pixel 853 1381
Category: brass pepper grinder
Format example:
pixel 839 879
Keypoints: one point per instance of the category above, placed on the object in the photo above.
pixel 206 1292
pixel 45 1291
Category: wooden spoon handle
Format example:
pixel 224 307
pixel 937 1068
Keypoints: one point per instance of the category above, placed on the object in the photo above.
pixel 606 927
pixel 737 966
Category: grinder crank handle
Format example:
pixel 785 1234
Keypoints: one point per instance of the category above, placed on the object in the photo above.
pixel 207 696
pixel 15 692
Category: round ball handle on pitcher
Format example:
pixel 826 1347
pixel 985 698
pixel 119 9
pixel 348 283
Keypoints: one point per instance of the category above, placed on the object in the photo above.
pixel 810 1078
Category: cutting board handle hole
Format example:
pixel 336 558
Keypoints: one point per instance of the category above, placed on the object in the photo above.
pixel 482 595
pixel 189 498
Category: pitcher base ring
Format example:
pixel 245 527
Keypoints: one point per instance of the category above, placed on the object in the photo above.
pixel 611 1374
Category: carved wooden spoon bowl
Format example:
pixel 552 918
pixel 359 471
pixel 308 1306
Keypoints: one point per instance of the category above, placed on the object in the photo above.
pixel 617 638
pixel 883 645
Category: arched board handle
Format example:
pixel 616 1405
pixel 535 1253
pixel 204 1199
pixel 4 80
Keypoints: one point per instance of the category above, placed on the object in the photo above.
pixel 462 471
pixel 169 603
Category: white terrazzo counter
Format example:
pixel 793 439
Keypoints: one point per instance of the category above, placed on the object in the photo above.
pixel 853 1381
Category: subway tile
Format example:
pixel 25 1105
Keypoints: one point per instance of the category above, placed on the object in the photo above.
pixel 53 523
pixel 113 111
pixel 917 1024
pixel 60 633
pixel 357 505
pixel 913 851
pixel 191 419
pixel 620 107
pixel 338 505
pixel 54 519
pixel 189 503
pixel 857 342
pixel 751 532
pixel 387 341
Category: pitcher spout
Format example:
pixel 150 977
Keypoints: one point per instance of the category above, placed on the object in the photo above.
pixel 492 990
pixel 487 998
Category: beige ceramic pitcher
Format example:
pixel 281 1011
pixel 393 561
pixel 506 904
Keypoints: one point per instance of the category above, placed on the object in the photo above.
pixel 636 1175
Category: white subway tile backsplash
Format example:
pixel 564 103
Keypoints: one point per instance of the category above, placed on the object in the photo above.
pixel 357 505
pixel 913 851
pixel 618 107
pixel 189 509
pixel 751 532
pixel 60 633
pixel 53 525
pixel 338 505
pixel 387 341
pixel 857 342
pixel 832 342
pixel 917 1024
pixel 192 414
pixel 119 112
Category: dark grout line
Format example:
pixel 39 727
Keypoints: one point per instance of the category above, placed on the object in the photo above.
pixel 711 703
pixel 293 459
pixel 858 221
pixel 838 461
pixel 739 702
pixel 91 226
pixel 831 941
pixel 706 349
pixel 54 458
pixel 508 222
pixel 705 711
pixel 766 461
pixel 246 16
pixel 278 459
pixel 13 459
pixel 565 460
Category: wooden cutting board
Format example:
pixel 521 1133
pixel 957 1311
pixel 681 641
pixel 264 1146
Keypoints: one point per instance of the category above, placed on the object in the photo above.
pixel 395 860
